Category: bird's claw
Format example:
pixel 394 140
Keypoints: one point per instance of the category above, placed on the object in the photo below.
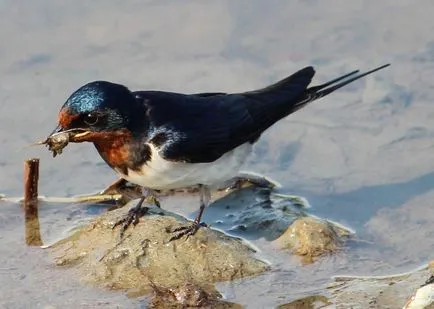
pixel 132 217
pixel 186 230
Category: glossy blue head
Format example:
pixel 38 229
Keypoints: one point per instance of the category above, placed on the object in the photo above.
pixel 98 106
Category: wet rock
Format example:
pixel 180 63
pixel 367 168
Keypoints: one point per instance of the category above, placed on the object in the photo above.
pixel 310 302
pixel 253 213
pixel 384 291
pixel 422 299
pixel 188 296
pixel 311 237
pixel 144 255
pixel 424 296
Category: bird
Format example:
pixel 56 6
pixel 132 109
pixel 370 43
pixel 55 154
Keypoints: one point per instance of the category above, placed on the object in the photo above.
pixel 168 140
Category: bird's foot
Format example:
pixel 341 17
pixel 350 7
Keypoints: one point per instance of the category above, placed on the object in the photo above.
pixel 132 217
pixel 152 200
pixel 186 230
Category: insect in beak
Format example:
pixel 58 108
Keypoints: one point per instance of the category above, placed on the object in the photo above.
pixel 59 139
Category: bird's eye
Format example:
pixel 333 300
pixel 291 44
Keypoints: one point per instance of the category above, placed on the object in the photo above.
pixel 91 119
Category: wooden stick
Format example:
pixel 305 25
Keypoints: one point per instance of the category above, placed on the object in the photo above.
pixel 31 177
pixel 30 203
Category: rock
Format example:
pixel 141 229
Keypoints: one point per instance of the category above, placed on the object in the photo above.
pixel 310 302
pixel 424 296
pixel 144 256
pixel 188 296
pixel 252 213
pixel 311 237
pixel 385 291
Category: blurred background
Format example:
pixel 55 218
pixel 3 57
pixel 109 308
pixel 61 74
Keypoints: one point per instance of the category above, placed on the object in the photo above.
pixel 362 156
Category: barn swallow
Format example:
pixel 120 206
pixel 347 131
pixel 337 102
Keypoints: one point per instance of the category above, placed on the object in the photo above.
pixel 165 140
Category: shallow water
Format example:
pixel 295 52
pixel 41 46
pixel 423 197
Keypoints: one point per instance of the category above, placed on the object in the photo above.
pixel 362 157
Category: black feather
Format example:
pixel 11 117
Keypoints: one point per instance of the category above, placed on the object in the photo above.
pixel 200 128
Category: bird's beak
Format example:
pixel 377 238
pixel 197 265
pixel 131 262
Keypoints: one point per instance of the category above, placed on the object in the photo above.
pixel 74 135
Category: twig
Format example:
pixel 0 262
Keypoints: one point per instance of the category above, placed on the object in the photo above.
pixel 72 199
pixel 81 198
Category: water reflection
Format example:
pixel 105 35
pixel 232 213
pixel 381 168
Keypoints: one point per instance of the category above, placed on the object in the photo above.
pixel 32 225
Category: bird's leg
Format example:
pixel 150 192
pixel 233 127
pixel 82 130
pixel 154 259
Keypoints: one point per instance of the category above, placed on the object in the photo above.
pixel 137 211
pixel 191 229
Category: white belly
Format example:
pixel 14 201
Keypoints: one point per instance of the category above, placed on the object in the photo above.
pixel 161 174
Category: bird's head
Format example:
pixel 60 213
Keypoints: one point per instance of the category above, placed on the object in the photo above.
pixel 97 111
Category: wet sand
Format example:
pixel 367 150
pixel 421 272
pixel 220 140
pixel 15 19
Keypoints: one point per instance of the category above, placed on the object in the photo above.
pixel 362 157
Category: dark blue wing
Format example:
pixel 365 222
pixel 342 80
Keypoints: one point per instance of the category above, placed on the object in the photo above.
pixel 202 127
pixel 193 128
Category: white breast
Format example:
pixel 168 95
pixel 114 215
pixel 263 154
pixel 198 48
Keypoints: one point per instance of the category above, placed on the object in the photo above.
pixel 161 174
